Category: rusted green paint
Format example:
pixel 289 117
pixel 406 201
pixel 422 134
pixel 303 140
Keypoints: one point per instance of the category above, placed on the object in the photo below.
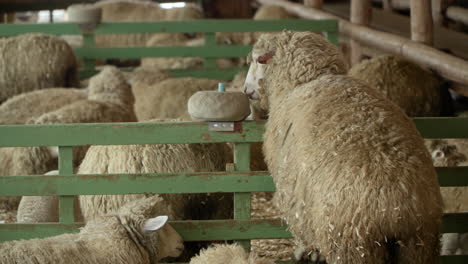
pixel 242 201
pixel 66 212
pixel 67 184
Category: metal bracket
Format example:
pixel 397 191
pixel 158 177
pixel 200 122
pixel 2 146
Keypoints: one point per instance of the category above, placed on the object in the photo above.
pixel 221 126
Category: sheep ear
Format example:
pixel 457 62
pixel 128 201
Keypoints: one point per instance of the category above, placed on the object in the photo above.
pixel 265 57
pixel 54 151
pixel 156 223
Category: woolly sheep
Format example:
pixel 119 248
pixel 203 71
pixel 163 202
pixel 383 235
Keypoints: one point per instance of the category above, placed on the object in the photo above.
pixel 35 61
pixel 129 236
pixel 36 209
pixel 110 99
pixel 133 11
pixel 417 91
pixel 344 159
pixel 168 98
pixel 20 108
pixel 270 12
pixel 227 254
pixel 445 153
pixel 160 158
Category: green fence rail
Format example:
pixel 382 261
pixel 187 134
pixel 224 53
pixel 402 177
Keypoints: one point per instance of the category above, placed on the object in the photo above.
pixel 89 52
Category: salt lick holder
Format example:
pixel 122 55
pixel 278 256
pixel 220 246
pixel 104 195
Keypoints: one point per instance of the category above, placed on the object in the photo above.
pixel 219 108
pixel 87 16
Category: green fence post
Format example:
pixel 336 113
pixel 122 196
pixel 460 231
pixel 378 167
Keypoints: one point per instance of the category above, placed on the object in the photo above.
pixel 333 37
pixel 88 64
pixel 210 40
pixel 242 206
pixel 66 207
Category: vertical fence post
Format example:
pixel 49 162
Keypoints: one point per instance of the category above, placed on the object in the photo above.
pixel 421 21
pixel 88 64
pixel 242 206
pixel 66 209
pixel 318 4
pixel 210 40
pixel 361 13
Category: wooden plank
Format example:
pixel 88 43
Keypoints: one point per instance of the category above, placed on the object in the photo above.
pixel 125 134
pixel 200 182
pixel 66 211
pixel 225 51
pixel 442 127
pixel 421 21
pixel 165 183
pixel 206 230
pixel 242 200
pixel 190 230
pixel 202 26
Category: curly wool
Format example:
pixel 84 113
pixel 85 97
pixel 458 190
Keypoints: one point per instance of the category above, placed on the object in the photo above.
pixel 346 166
pixel 415 90
pixel 18 111
pixel 106 239
pixel 35 61
pixel 227 254
pixel 168 98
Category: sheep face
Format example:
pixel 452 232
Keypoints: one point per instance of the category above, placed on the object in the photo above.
pixel 445 154
pixel 166 241
pixel 253 85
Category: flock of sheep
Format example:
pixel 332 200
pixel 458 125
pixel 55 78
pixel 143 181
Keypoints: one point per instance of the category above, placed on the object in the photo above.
pixel 355 181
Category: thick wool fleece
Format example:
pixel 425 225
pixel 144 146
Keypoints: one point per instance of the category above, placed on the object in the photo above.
pixel 417 91
pixel 35 61
pixel 227 254
pixel 352 174
pixel 110 239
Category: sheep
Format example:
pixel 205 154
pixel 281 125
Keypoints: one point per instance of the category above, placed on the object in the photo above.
pixel 345 160
pixel 35 61
pixel 446 153
pixel 160 158
pixel 129 236
pixel 36 209
pixel 109 100
pixel 19 109
pixel 227 254
pixel 271 12
pixel 417 91
pixel 168 98
pixel 127 10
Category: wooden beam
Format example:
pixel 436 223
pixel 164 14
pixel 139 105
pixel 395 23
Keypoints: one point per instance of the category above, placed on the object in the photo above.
pixel 446 65
pixel 421 22
pixel 361 14
pixel 314 3
pixel 458 14
pixel 387 5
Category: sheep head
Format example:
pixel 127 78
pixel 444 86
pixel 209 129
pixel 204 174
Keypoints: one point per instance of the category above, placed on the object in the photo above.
pixel 153 233
pixel 445 154
pixel 280 62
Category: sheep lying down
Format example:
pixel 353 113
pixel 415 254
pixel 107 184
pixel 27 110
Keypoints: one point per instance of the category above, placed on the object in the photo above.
pixel 131 236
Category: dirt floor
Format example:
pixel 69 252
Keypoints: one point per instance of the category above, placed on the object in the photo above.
pixel 274 249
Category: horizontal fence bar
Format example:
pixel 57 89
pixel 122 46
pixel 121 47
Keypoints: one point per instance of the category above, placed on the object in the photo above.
pixel 442 127
pixel 192 132
pixel 201 182
pixel 206 25
pixel 254 181
pixel 206 230
pixel 225 51
pixel 125 134
pixel 453 259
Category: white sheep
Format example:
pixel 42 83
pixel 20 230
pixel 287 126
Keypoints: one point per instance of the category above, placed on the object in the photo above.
pixel 227 254
pixel 352 174
pixel 127 237
pixel 35 61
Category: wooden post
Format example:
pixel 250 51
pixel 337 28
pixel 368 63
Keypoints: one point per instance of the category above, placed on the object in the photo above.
pixel 361 14
pixel 314 3
pixel 421 21
pixel 387 5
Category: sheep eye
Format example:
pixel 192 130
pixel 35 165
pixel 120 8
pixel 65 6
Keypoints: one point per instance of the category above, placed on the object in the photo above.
pixel 227 42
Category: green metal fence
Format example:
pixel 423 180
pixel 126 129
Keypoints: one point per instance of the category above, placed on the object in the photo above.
pixel 237 179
